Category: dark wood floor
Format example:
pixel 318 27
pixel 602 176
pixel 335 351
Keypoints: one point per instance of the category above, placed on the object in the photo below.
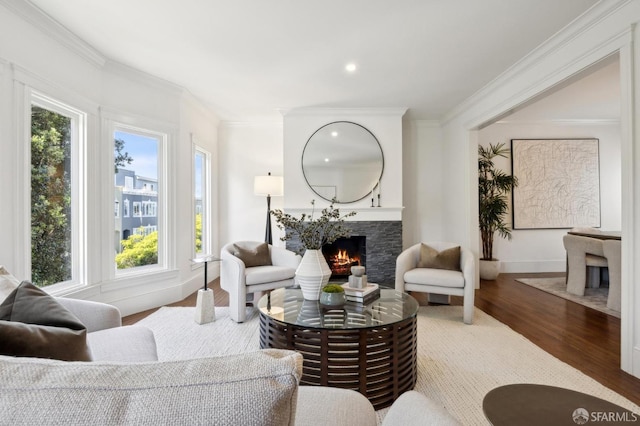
pixel 583 338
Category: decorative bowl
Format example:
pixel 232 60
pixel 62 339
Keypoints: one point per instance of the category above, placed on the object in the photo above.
pixel 333 299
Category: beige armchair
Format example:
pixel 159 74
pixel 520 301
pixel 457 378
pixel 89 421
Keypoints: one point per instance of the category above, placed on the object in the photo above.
pixel 239 280
pixel 613 252
pixel 410 277
pixel 584 254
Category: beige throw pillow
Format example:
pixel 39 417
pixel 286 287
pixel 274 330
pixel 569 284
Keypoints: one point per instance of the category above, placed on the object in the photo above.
pixel 258 256
pixel 8 283
pixel 446 259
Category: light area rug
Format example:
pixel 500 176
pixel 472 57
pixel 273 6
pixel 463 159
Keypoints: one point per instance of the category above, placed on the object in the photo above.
pixel 457 363
pixel 595 298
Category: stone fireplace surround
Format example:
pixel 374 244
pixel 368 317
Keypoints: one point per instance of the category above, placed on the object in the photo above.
pixel 384 244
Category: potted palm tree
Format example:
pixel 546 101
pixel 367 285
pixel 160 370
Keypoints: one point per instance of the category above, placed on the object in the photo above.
pixel 493 187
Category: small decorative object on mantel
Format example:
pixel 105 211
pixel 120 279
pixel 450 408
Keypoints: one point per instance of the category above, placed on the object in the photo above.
pixel 333 295
pixel 313 272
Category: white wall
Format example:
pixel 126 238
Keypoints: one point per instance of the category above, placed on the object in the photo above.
pixel 45 57
pixel 608 28
pixel 422 169
pixel 247 150
pixel 541 250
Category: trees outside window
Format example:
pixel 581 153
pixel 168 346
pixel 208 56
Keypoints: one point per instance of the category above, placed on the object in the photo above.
pixel 56 200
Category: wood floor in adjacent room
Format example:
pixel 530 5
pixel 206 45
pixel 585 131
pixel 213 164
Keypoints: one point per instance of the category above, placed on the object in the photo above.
pixel 584 338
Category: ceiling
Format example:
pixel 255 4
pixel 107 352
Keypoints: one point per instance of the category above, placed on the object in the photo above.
pixel 248 59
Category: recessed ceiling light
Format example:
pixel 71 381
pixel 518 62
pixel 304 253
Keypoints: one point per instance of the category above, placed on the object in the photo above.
pixel 326 160
pixel 334 133
pixel 351 67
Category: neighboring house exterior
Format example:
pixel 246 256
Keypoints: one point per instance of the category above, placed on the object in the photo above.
pixel 136 205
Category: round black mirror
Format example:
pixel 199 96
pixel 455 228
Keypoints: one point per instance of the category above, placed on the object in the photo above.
pixel 342 161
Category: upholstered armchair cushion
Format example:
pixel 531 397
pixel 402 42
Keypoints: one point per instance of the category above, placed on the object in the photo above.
pixel 410 277
pixel 106 338
pixel 440 277
pixel 239 280
pixel 266 274
pixel 414 409
pixel 257 388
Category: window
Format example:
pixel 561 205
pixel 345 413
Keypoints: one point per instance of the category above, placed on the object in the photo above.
pixel 149 208
pixel 137 211
pixel 137 158
pixel 117 208
pixel 57 218
pixel 201 167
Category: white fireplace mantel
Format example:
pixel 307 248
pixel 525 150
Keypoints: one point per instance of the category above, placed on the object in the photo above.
pixel 363 214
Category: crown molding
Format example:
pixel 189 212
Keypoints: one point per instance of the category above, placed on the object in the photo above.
pixel 36 17
pixel 583 23
pixel 251 124
pixel 564 122
pixel 193 102
pixel 399 112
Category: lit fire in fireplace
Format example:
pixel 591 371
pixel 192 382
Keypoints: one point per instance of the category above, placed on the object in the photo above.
pixel 341 262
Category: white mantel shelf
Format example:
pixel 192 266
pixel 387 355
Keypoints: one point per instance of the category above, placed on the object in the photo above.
pixel 363 213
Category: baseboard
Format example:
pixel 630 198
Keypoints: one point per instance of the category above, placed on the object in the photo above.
pixel 160 297
pixel 533 266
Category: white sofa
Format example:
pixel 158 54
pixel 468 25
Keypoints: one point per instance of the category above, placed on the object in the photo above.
pixel 256 388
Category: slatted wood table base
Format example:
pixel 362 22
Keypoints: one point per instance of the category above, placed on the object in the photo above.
pixel 379 362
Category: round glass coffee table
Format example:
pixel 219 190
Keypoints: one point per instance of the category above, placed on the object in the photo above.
pixel 370 348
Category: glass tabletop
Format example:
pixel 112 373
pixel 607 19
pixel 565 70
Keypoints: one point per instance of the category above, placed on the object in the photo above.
pixel 289 306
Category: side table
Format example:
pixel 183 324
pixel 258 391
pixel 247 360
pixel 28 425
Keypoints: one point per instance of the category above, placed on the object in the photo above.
pixel 205 305
pixel 526 404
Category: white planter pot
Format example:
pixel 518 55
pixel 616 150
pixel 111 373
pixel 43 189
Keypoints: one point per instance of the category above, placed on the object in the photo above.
pixel 312 274
pixel 489 269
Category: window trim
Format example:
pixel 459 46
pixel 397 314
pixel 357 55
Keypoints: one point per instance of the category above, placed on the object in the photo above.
pixel 143 128
pixel 206 203
pixel 78 163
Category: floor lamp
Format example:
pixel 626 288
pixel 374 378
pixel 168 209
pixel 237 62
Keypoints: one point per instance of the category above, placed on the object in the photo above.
pixel 269 186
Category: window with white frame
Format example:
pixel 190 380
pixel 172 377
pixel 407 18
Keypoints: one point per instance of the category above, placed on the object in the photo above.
pixel 149 208
pixel 57 141
pixel 137 210
pixel 201 197
pixel 138 168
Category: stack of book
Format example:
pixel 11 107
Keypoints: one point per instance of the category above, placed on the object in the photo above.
pixel 361 295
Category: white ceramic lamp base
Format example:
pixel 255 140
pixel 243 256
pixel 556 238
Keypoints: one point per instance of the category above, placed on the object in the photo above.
pixel 205 309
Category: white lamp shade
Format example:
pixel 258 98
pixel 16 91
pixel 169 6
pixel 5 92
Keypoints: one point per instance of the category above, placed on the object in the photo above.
pixel 268 185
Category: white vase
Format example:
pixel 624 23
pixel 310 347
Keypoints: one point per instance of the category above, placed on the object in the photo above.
pixel 312 274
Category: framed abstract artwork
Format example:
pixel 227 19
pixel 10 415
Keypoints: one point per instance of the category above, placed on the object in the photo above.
pixel 558 183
